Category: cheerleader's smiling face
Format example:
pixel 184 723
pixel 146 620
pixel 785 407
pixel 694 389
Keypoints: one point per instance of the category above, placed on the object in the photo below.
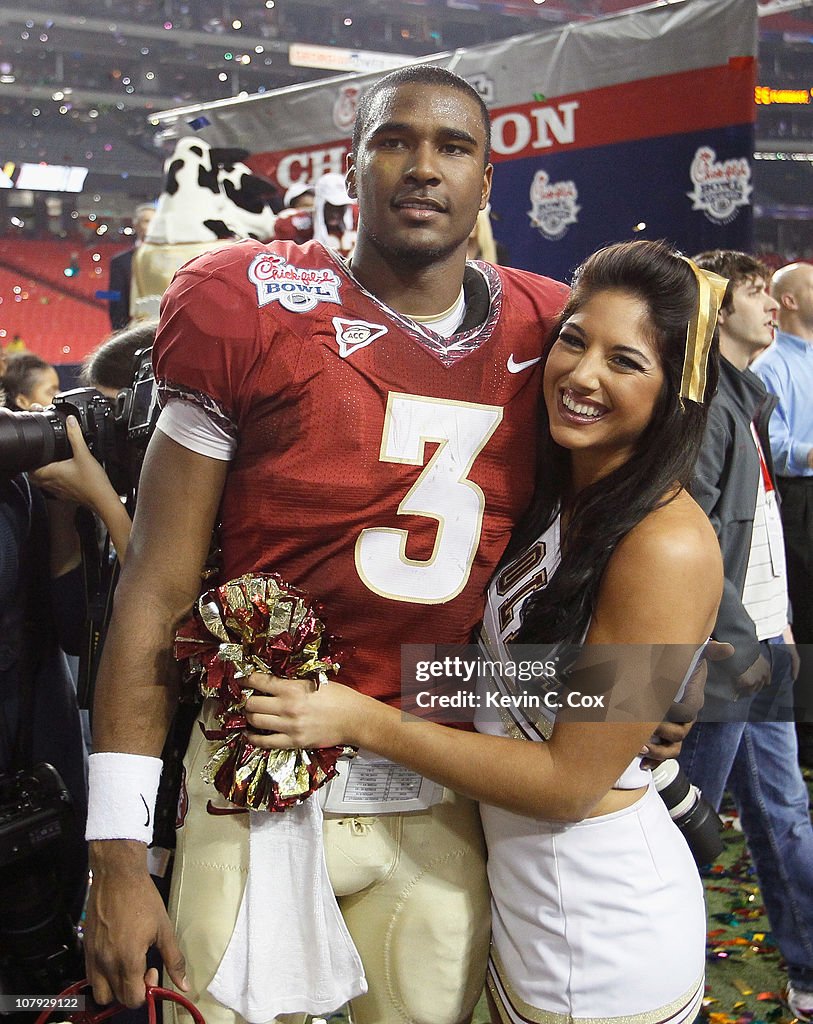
pixel 603 377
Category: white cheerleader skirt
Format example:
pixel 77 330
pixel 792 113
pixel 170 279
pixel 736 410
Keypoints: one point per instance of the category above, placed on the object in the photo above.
pixel 598 921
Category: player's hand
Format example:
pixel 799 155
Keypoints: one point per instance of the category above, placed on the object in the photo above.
pixel 670 734
pixel 754 678
pixel 125 917
pixel 284 714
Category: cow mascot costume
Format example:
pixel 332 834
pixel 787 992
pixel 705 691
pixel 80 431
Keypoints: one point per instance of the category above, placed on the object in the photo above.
pixel 210 199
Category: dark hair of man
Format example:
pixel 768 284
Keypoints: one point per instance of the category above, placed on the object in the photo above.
pixel 603 513
pixel 736 266
pixel 418 74
pixel 21 374
pixel 111 364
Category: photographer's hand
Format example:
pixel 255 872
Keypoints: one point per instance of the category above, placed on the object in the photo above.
pixel 116 939
pixel 82 479
pixel 670 734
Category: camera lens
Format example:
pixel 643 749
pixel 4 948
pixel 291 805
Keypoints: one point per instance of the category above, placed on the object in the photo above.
pixel 29 440
pixel 673 786
pixel 693 815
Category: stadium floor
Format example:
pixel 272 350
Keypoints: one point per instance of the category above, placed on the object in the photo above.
pixel 745 975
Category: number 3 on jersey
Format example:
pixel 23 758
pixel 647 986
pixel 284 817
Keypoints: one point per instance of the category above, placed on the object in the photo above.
pixel 442 492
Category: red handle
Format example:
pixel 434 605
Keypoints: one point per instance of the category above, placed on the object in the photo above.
pixel 152 993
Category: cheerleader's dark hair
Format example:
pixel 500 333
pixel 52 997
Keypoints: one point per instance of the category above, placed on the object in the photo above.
pixel 664 456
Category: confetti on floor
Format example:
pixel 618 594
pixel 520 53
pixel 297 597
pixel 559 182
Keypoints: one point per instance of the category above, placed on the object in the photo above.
pixel 745 976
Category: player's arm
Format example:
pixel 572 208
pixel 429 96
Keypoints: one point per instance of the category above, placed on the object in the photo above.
pixel 659 589
pixel 179 494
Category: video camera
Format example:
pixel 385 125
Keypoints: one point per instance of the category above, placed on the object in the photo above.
pixel 39 950
pixel 115 430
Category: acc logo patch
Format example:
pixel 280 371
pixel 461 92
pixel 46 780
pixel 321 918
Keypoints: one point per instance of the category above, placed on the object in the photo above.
pixel 351 335
pixel 298 289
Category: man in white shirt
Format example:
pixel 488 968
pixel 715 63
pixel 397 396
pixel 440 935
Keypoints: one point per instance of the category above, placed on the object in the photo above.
pixel 786 369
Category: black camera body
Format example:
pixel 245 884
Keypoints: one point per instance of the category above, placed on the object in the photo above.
pixel 115 430
pixel 97 420
pixel 39 948
pixel 33 809
pixel 137 405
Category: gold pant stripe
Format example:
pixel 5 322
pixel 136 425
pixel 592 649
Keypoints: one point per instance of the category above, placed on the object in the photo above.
pixel 504 995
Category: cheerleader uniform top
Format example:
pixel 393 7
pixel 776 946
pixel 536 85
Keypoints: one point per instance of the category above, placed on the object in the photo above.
pixel 529 718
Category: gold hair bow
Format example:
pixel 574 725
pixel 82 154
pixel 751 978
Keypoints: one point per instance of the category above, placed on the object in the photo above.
pixel 711 291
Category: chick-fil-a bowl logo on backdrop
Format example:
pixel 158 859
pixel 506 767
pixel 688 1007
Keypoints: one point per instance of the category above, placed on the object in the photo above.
pixel 721 187
pixel 344 107
pixel 553 205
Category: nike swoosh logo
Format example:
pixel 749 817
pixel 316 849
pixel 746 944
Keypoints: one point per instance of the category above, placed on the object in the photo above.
pixel 147 822
pixel 515 367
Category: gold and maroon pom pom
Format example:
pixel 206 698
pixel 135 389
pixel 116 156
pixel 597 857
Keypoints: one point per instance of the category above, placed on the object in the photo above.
pixel 257 623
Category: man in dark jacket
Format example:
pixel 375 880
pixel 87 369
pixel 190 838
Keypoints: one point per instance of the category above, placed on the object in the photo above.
pixel 121 269
pixel 746 740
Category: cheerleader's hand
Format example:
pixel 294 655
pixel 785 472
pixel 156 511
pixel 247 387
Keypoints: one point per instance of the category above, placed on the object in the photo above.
pixel 284 714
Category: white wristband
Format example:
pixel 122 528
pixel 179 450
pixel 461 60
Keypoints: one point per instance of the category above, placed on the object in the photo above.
pixel 123 788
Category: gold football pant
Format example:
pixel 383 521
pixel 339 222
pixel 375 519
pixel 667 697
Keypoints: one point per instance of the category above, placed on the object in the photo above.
pixel 412 889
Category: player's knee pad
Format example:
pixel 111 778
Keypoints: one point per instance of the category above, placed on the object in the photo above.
pixel 437 945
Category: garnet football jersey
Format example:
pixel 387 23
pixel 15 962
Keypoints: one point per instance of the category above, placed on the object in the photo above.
pixel 294 226
pixel 379 466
